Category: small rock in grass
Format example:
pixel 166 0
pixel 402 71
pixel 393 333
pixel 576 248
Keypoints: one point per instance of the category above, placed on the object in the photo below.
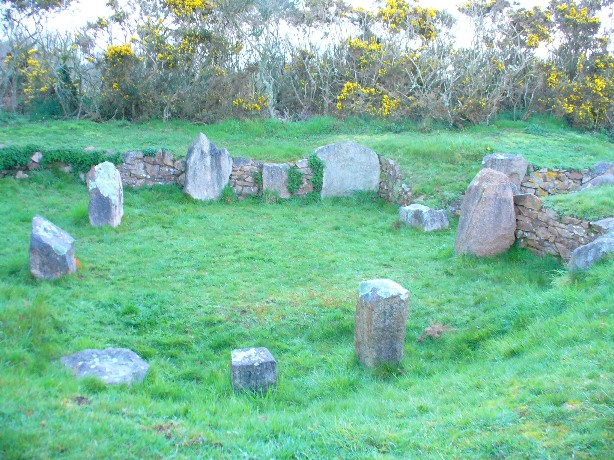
pixel 584 257
pixel 114 366
pixel 52 250
pixel 381 320
pixel 253 370
pixel 423 217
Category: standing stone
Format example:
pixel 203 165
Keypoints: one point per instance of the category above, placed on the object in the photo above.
pixel 253 369
pixel 207 169
pixel 275 179
pixel 52 250
pixel 381 319
pixel 348 167
pixel 423 217
pixel 488 222
pixel 513 166
pixel 106 195
pixel 113 366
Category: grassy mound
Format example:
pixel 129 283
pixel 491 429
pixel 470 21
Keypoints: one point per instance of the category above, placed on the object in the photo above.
pixel 590 204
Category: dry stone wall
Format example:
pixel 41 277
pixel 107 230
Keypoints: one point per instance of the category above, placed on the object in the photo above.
pixel 138 170
pixel 542 231
pixel 546 182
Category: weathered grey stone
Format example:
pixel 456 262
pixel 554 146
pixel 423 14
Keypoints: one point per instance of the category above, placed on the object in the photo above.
pixel 487 223
pixel 348 167
pixel 599 181
pixel 114 366
pixel 106 195
pixel 253 370
pixel 36 157
pixel 380 324
pixel 513 166
pixel 52 250
pixel 584 257
pixel 207 170
pixel 21 175
pixel 275 178
pixel 605 225
pixel 423 217
pixel 528 200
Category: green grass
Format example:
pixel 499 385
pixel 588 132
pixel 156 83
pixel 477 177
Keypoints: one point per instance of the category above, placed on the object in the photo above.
pixel 591 204
pixel 527 374
pixel 437 163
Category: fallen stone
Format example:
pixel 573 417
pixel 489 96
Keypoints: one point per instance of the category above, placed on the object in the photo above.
pixel 348 167
pixel 21 175
pixel 207 170
pixel 604 225
pixel 513 166
pixel 114 366
pixel 599 181
pixel 381 320
pixel 487 223
pixel 275 179
pixel 106 195
pixel 423 217
pixel 253 370
pixel 52 250
pixel 584 257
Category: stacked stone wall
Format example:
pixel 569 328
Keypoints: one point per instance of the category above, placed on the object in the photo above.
pixel 546 182
pixel 542 231
pixel 391 185
pixel 138 170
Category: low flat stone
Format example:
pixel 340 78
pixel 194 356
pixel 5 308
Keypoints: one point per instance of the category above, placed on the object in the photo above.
pixel 423 217
pixel 584 257
pixel 253 370
pixel 114 366
pixel 52 250
pixel 21 175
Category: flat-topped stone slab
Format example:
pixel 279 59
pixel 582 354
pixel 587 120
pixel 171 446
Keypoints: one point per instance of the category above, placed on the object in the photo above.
pixel 52 250
pixel 381 321
pixel 114 366
pixel 253 370
pixel 584 257
pixel 348 167
pixel 423 217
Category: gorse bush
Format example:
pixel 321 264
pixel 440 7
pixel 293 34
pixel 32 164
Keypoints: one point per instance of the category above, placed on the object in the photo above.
pixel 394 60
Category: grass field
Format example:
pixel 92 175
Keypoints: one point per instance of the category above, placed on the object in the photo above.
pixel 525 372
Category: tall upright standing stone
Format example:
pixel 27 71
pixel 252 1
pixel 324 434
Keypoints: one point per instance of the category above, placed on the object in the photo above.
pixel 487 224
pixel 52 250
pixel 381 321
pixel 106 195
pixel 207 171
pixel 348 167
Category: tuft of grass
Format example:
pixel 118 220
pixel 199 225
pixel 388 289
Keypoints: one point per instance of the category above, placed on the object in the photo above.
pixel 590 204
